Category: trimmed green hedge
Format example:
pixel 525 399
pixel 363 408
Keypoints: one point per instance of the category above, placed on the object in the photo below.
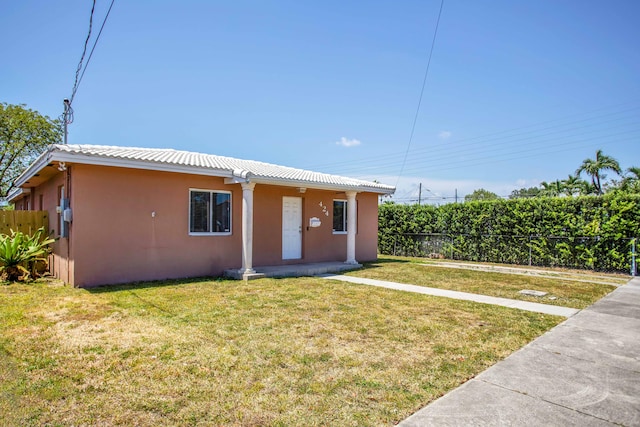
pixel 584 232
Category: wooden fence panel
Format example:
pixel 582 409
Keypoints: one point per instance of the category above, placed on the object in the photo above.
pixel 26 221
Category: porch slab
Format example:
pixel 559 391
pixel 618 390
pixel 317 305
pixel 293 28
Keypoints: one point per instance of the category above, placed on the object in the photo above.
pixel 292 270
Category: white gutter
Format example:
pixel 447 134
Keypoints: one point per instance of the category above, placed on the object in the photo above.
pixel 382 189
pixel 17 192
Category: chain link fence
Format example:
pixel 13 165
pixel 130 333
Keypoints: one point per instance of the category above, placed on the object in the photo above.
pixel 598 253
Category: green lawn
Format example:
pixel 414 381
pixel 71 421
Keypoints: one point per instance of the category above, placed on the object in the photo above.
pixel 567 293
pixel 303 351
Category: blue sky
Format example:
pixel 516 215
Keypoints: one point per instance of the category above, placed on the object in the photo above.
pixel 518 92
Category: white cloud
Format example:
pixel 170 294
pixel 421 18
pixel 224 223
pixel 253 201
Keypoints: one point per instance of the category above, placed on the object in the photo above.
pixel 348 142
pixel 526 183
pixel 444 134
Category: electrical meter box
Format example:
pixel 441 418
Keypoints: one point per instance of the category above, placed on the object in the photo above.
pixel 65 218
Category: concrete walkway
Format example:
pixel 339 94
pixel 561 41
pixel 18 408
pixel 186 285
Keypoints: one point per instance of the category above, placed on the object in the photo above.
pixel 505 302
pixel 583 372
pixel 570 276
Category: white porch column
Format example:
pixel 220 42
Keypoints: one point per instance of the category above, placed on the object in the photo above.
pixel 247 228
pixel 352 214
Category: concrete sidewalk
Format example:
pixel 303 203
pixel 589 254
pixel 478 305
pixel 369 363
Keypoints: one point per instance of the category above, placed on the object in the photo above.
pixel 583 372
pixel 505 302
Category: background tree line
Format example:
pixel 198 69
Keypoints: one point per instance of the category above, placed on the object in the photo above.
pixel 595 170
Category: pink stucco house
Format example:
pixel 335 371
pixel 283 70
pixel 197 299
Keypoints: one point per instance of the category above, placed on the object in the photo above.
pixel 128 214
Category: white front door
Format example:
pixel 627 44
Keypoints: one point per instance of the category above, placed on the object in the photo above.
pixel 291 227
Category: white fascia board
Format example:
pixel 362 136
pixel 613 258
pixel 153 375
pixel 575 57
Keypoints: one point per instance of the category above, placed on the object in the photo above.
pixel 321 186
pixel 17 192
pixel 139 164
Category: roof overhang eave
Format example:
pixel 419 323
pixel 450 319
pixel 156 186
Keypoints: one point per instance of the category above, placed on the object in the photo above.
pixel 43 160
pixel 233 176
pixel 322 186
pixel 141 164
pixel 51 156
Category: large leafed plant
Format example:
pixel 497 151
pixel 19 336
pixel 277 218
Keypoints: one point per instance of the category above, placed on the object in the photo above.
pixel 20 254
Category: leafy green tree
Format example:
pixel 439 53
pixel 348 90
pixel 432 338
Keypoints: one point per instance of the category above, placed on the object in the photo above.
pixel 595 167
pixel 525 193
pixel 481 194
pixel 24 135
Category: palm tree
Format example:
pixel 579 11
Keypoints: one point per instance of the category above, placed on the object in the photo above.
pixel 594 168
pixel 552 189
pixel 572 185
pixel 631 180
pixel 585 188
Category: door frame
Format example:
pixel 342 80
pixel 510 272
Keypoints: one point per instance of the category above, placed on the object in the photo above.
pixel 287 233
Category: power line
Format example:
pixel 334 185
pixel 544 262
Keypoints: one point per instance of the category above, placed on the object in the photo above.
pixel 589 143
pixel 594 130
pixel 535 147
pixel 84 52
pixel 79 75
pixel 471 147
pixel 424 82
pixel 96 41
pixel 594 141
pixel 530 134
pixel 527 144
pixel 516 144
pixel 67 115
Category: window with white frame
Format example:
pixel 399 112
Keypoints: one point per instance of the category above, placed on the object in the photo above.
pixel 339 216
pixel 209 212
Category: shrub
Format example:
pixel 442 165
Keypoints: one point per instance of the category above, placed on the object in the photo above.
pixel 20 253
pixel 578 232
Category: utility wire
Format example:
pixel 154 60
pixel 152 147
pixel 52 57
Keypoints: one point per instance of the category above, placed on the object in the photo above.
pixel 424 82
pixel 96 42
pixel 84 52
pixel 409 196
pixel 518 143
pixel 569 134
pixel 507 136
pixel 79 75
pixel 528 151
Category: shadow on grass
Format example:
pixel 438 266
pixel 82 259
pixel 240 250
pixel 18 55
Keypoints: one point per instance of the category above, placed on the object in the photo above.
pixel 154 284
pixel 381 261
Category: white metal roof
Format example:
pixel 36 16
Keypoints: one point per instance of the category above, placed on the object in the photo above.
pixel 198 163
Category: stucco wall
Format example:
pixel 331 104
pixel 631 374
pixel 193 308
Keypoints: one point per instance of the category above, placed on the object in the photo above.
pixel 116 239
pixel 59 260
pixel 367 237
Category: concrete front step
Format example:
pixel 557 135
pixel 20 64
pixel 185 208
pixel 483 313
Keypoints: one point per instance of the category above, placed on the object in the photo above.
pixel 292 270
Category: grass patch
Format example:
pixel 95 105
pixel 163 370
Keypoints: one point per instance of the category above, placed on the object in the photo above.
pixel 562 292
pixel 302 351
